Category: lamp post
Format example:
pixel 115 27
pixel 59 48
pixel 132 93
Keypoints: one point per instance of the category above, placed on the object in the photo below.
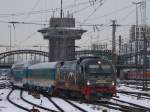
pixel 10 35
pixel 136 40
pixel 136 4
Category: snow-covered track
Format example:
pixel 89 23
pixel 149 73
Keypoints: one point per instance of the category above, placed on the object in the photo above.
pixel 137 93
pixel 41 107
pixel 138 96
pixel 136 86
pixel 99 103
pixel 131 106
pixel 17 105
pixel 58 107
pixel 112 106
pixel 79 108
pixel 4 84
pixel 69 102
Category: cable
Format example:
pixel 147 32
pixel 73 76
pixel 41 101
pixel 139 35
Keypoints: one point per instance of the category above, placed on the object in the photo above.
pixel 1 21
pixel 125 17
pixel 92 13
pixel 81 9
pixel 17 22
pixel 43 11
pixel 37 2
pixel 115 11
pixel 27 37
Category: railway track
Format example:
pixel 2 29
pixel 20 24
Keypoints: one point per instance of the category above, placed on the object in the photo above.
pixel 134 82
pixel 41 107
pixel 4 84
pixel 115 105
pixel 131 106
pixel 110 105
pixel 56 105
pixel 137 95
pixel 136 87
pixel 30 103
pixel 68 102
pixel 122 106
pixel 74 105
pixel 15 104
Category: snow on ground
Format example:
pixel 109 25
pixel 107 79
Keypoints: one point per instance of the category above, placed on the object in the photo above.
pixel 3 82
pixel 64 105
pixel 5 106
pixel 92 108
pixel 125 88
pixel 15 96
pixel 132 99
pixel 45 102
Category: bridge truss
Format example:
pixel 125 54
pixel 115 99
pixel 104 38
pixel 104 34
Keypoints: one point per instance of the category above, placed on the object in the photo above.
pixel 11 57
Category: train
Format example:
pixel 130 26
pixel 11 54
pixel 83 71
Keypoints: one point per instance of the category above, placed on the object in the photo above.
pixel 135 75
pixel 86 77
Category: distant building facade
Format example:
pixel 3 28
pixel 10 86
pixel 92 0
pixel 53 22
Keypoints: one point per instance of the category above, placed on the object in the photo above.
pixel 138 32
pixel 99 46
pixel 132 47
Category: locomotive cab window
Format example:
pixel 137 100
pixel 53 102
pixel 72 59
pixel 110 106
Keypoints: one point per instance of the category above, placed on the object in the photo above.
pixel 99 68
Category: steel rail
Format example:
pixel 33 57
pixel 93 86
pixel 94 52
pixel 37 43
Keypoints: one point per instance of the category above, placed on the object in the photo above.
pixel 17 105
pixel 58 107
pixel 41 107
pixel 134 105
pixel 74 105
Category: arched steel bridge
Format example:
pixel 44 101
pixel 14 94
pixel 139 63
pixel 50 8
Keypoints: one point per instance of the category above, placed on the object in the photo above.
pixel 9 58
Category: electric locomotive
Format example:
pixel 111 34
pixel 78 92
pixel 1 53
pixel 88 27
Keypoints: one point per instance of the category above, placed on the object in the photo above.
pixel 88 77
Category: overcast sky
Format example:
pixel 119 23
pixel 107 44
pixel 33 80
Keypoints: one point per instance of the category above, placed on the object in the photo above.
pixel 85 12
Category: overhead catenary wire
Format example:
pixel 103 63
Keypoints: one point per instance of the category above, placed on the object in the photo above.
pixel 102 2
pixel 36 4
pixel 28 37
pixel 113 12
pixel 108 26
pixel 126 16
pixel 43 11
pixel 20 22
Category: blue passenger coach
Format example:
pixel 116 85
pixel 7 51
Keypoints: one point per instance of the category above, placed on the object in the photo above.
pixel 41 75
pixel 19 72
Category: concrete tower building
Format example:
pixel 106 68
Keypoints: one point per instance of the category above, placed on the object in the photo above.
pixel 61 35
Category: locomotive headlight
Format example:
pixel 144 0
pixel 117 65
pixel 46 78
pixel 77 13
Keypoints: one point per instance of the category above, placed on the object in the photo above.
pixel 113 83
pixel 88 83
pixel 99 62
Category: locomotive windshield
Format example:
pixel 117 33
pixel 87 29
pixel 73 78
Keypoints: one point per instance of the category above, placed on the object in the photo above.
pixel 98 67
